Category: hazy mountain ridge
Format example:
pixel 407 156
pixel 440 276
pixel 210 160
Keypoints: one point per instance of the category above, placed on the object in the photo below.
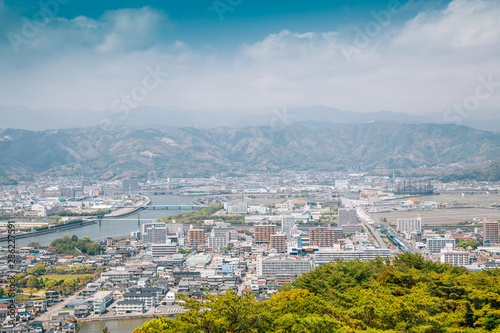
pixel 203 152
pixel 176 117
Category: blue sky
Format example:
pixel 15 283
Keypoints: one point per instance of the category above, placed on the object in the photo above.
pixel 423 57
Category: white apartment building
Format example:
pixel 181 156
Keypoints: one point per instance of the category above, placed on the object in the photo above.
pixel 218 242
pixel 236 208
pixel 101 300
pixel 456 258
pixel 154 232
pixel 409 225
pixel 282 264
pixel 325 256
pixel 124 307
pixel 435 245
pixel 116 276
pixel 287 223
pixel 161 250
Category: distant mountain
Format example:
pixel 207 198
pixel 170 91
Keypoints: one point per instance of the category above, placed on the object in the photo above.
pixel 168 117
pixel 202 152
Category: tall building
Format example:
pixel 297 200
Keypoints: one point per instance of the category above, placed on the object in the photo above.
pixel 236 208
pixel 491 231
pixel 280 265
pixel 323 237
pixel 130 184
pixel 347 216
pixel 262 233
pixel 154 232
pixel 223 230
pixel 278 242
pixel 435 245
pixel 175 227
pixel 196 237
pixel 409 225
pixel 217 242
pixel 287 223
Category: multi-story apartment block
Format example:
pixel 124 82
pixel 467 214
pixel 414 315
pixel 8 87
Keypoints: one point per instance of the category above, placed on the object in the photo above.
pixel 196 237
pixel 409 225
pixel 491 231
pixel 323 257
pixel 161 250
pixel 154 232
pixel 278 242
pixel 347 216
pixel 279 265
pixel 262 233
pixel 324 237
pixel 435 245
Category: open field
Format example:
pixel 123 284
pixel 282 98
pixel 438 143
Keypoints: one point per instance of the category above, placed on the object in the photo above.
pixel 64 276
pixel 443 216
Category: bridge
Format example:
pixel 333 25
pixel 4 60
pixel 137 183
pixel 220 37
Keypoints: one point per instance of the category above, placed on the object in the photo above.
pixel 164 207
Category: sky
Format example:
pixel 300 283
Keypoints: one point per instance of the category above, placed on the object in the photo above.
pixel 403 56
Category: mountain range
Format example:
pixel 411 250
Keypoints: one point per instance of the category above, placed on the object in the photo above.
pixel 174 117
pixel 189 152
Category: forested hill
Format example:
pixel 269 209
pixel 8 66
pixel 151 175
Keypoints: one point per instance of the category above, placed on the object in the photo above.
pixel 189 152
pixel 408 294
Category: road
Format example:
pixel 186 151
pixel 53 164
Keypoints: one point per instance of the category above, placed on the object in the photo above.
pixel 53 310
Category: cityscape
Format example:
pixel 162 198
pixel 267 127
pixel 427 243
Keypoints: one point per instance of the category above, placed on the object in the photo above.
pixel 234 166
pixel 251 235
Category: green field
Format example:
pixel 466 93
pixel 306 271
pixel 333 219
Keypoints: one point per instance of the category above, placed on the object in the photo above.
pixel 64 276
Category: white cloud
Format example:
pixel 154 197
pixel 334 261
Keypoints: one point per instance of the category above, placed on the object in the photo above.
pixel 426 64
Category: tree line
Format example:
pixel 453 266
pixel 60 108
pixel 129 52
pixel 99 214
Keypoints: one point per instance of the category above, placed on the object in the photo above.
pixel 403 294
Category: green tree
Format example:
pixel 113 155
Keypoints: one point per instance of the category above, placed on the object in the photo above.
pixel 37 270
pixel 32 282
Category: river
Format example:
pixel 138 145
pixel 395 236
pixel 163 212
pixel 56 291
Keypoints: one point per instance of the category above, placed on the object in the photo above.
pixel 115 227
pixel 114 326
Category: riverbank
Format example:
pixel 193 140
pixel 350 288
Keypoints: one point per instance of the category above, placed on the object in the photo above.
pixel 124 212
pixel 51 229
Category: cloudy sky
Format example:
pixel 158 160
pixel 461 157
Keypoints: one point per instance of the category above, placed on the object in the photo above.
pixel 417 56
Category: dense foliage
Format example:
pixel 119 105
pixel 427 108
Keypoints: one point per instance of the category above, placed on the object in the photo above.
pixel 406 294
pixel 197 216
pixel 73 245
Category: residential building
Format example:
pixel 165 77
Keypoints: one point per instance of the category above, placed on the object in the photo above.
pixel 491 231
pixel 116 276
pixel 455 258
pixel 148 298
pixel 278 242
pixel 409 225
pixel 262 233
pixel 196 237
pixel 324 237
pixel 236 208
pixel 218 243
pixel 347 216
pixel 323 256
pixel 154 233
pixel 101 300
pixel 287 223
pixel 161 250
pixel 435 245
pixel 123 307
pixel 282 264
pixel 224 229
pixel 350 229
